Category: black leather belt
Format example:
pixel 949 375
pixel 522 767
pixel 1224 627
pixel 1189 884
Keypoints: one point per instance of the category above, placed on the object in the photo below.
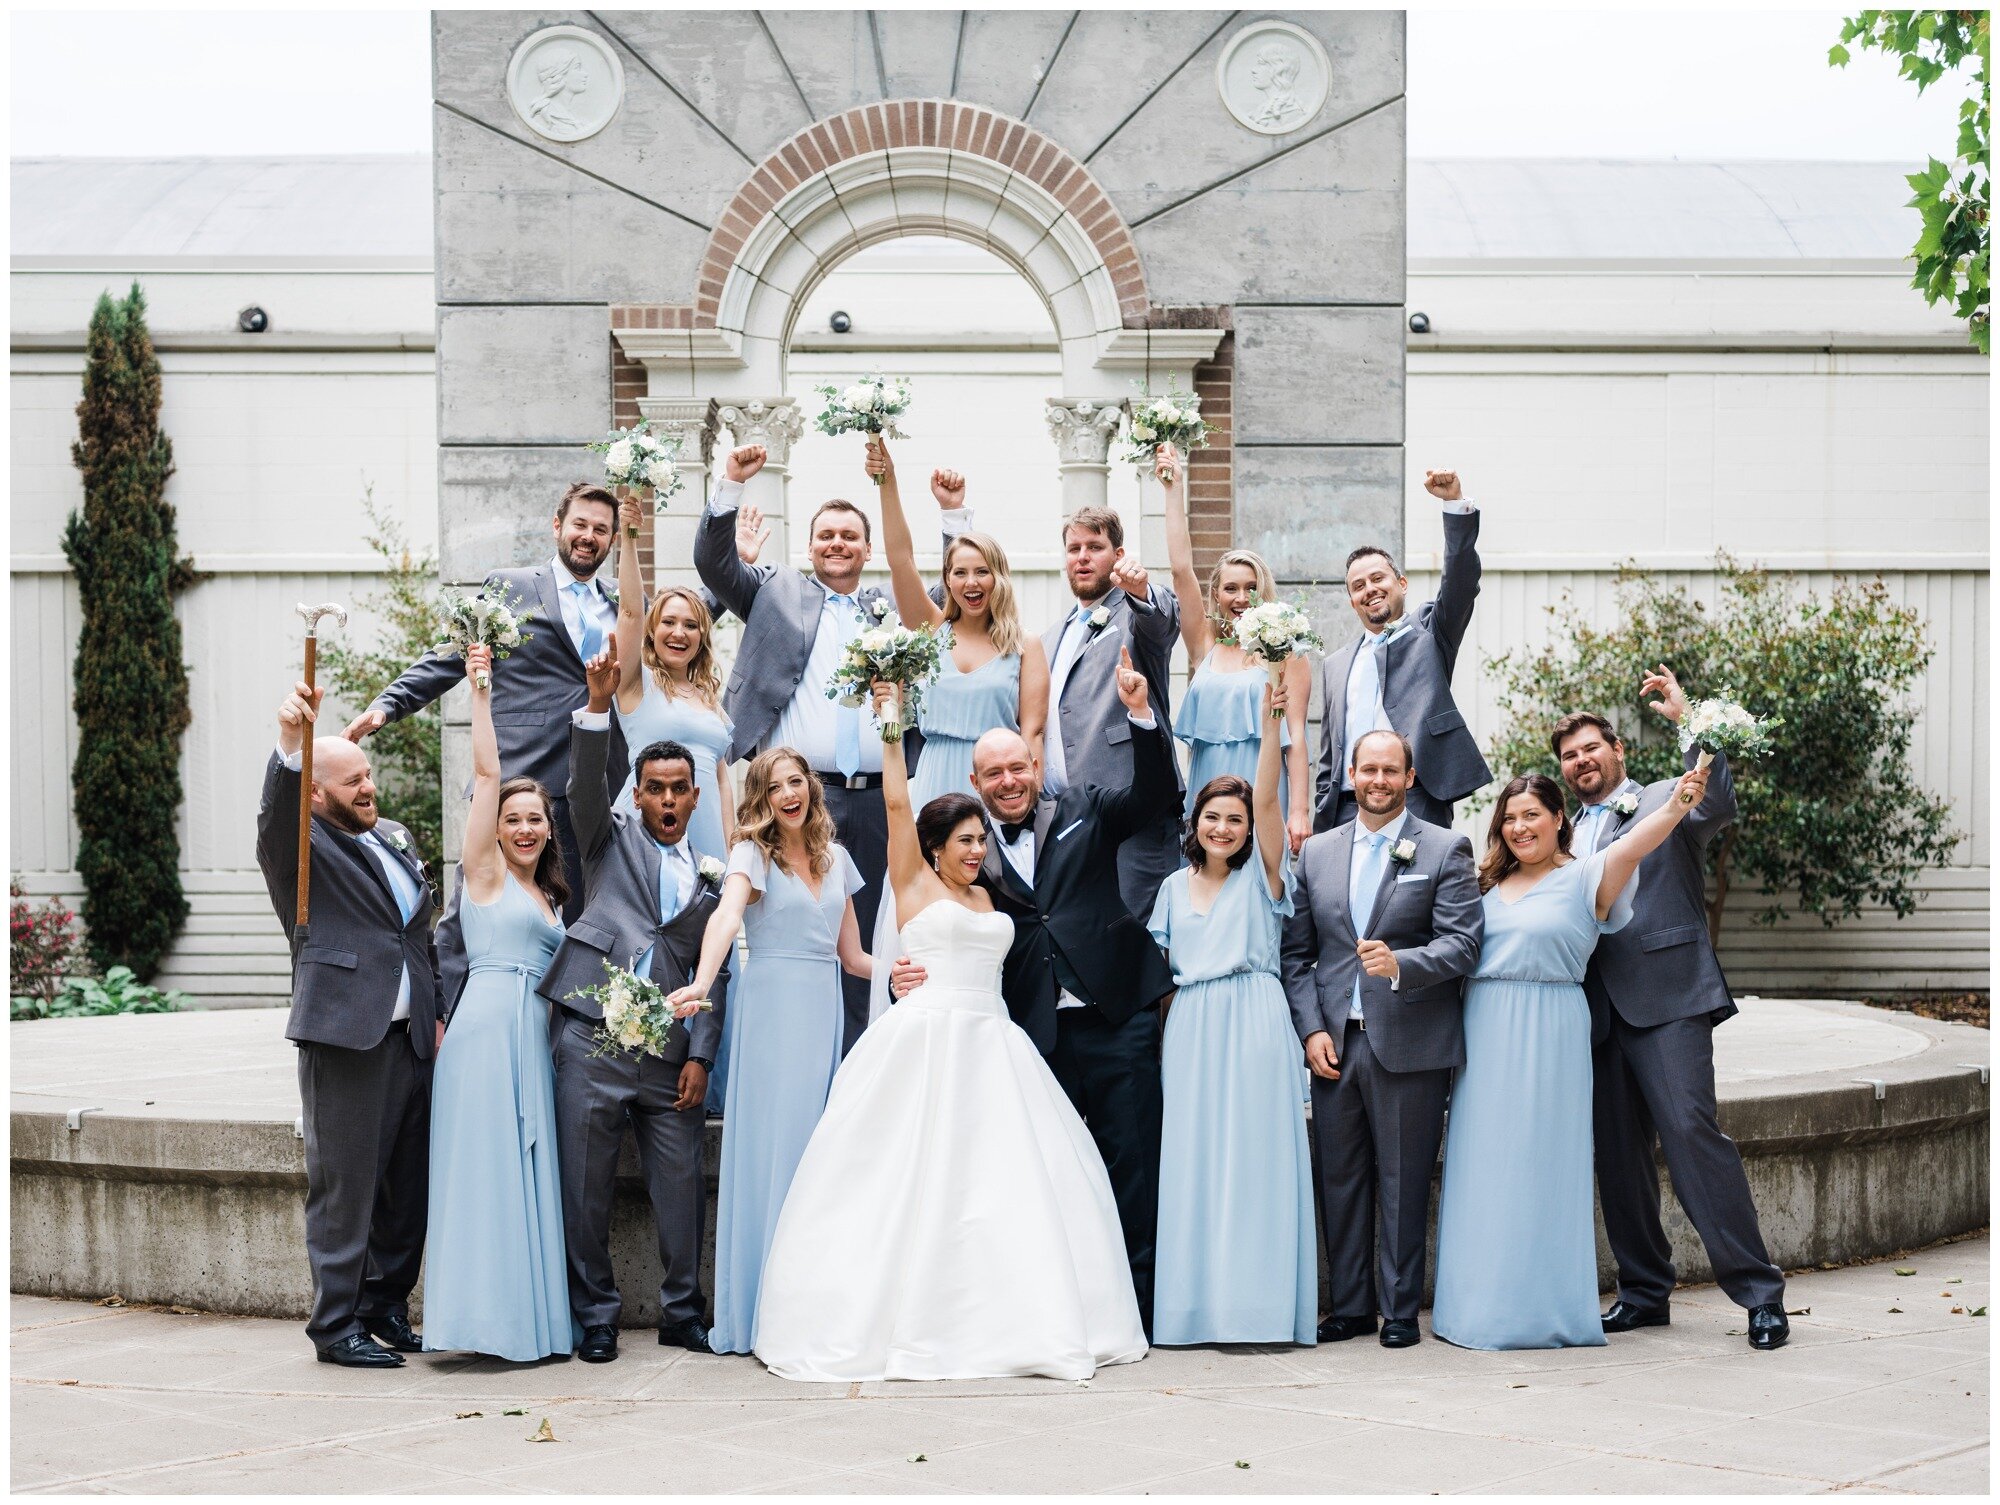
pixel 849 780
pixel 399 1026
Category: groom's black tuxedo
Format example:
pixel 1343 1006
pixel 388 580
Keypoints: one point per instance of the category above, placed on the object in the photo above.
pixel 1073 933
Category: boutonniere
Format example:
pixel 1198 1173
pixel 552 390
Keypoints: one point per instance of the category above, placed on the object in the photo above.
pixel 710 870
pixel 1403 853
pixel 400 840
pixel 1099 616
pixel 878 608
pixel 1625 804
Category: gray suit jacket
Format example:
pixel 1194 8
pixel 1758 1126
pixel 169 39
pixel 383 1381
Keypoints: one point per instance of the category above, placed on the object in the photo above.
pixel 1427 910
pixel 1661 966
pixel 1416 684
pixel 623 915
pixel 534 691
pixel 1095 729
pixel 345 971
pixel 780 611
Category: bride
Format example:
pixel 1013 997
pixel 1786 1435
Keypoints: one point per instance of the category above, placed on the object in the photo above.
pixel 951 1218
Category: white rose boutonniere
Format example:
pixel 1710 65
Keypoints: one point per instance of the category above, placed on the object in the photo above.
pixel 1625 804
pixel 400 840
pixel 710 869
pixel 1403 853
pixel 878 608
pixel 1100 616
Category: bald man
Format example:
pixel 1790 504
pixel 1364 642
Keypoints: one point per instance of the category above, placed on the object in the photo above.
pixel 365 1011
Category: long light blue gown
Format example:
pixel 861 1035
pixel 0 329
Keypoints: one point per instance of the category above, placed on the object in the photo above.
pixel 957 711
pixel 1236 1260
pixel 705 733
pixel 495 1281
pixel 1517 1242
pixel 787 1049
pixel 1218 719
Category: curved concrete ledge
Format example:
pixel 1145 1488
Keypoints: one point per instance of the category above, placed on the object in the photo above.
pixel 155 1155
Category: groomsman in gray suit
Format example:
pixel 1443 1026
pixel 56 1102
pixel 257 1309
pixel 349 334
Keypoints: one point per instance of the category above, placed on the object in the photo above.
pixel 575 615
pixel 1087 734
pixel 1656 994
pixel 1396 676
pixel 795 628
pixel 365 1010
pixel 1386 927
pixel 651 895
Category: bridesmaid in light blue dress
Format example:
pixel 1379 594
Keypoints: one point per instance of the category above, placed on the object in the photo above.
pixel 670 689
pixel 995 675
pixel 1236 1258
pixel 795 906
pixel 1517 1241
pixel 495 1280
pixel 1225 695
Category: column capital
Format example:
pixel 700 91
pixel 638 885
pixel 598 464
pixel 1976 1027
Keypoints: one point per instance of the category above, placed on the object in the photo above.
pixel 774 422
pixel 690 419
pixel 1082 428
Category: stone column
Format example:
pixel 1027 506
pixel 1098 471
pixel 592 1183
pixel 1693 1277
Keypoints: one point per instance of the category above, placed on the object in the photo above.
pixel 776 423
pixel 1082 428
pixel 692 421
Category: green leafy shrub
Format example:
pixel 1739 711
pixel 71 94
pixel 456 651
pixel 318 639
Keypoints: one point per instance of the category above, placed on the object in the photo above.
pixel 117 992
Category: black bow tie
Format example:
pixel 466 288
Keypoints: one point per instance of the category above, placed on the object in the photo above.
pixel 1010 831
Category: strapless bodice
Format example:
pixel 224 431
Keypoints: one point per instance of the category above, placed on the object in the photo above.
pixel 961 952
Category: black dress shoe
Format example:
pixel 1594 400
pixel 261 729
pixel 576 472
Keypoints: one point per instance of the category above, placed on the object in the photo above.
pixel 1401 1332
pixel 1340 1329
pixel 599 1346
pixel 1624 1317
pixel 1769 1327
pixel 360 1352
pixel 689 1334
pixel 393 1330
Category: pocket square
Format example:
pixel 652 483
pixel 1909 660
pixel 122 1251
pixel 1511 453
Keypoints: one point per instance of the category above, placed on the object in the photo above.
pixel 1067 829
pixel 1413 878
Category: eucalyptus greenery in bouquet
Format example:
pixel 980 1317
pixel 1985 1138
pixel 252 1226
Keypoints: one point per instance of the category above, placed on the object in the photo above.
pixel 636 1015
pixel 637 457
pixel 869 406
pixel 1275 632
pixel 466 621
pixel 907 657
pixel 1173 419
pixel 1721 724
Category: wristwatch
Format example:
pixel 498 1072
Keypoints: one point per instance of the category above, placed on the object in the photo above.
pixel 703 1063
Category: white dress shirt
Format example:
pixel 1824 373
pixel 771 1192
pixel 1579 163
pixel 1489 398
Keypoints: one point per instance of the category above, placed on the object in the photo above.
pixel 574 604
pixel 1363 884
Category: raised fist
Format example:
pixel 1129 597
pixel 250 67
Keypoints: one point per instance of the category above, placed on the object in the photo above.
pixel 743 463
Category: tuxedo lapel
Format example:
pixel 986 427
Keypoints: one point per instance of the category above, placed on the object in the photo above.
pixel 547 593
pixel 1045 819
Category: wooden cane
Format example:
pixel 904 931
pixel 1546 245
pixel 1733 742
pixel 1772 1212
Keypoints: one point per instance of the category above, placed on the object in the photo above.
pixel 312 614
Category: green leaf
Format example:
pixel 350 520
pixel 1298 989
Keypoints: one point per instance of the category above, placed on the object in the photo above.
pixel 1837 56
pixel 1904 1270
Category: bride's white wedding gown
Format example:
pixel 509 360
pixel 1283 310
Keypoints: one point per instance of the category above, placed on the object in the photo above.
pixel 951 1218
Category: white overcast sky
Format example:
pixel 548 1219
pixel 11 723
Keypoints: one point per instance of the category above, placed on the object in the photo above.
pixel 1729 83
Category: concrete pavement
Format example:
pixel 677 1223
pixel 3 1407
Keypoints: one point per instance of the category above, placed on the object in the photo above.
pixel 1865 1399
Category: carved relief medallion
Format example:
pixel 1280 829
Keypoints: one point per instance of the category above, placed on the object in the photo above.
pixel 1274 77
pixel 565 83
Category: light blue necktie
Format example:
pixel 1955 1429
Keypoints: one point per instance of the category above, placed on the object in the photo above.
pixel 400 882
pixel 590 640
pixel 670 900
pixel 1592 835
pixel 1365 878
pixel 847 724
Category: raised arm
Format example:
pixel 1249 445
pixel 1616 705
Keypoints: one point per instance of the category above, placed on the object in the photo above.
pixel 1717 807
pixel 1458 586
pixel 1034 700
pixel 1268 814
pixel 589 746
pixel 1138 804
pixel 1643 838
pixel 913 603
pixel 1298 766
pixel 1180 554
pixel 631 609
pixel 906 858
pixel 733 583
pixel 278 808
pixel 485 869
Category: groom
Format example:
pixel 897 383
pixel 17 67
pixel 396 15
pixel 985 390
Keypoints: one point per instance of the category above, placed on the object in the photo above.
pixel 1656 994
pixel 1083 975
pixel 1386 925
pixel 651 895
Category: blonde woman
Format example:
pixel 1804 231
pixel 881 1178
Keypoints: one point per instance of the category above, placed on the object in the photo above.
pixel 995 675
pixel 790 886
pixel 670 690
pixel 1219 715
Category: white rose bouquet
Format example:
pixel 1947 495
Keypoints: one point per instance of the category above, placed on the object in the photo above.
pixel 1720 724
pixel 1275 631
pixel 1173 419
pixel 636 1015
pixel 869 406
pixel 638 457
pixel 465 621
pixel 908 657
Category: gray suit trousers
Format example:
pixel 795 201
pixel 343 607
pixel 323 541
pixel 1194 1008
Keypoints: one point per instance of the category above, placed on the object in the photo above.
pixel 1659 1083
pixel 595 1098
pixel 1376 1134
pixel 368 1156
pixel 861 821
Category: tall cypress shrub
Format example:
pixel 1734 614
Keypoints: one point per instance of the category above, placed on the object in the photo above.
pixel 131 691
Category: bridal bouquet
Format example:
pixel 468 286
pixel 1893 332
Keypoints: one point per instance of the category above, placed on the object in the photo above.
pixel 870 406
pixel 1720 724
pixel 1275 631
pixel 908 657
pixel 636 1016
pixel 468 621
pixel 1173 419
pixel 638 457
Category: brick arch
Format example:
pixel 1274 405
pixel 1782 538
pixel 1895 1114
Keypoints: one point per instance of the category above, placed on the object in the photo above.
pixel 941 124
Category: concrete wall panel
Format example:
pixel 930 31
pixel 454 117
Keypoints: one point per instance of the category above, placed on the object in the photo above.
pixel 1319 375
